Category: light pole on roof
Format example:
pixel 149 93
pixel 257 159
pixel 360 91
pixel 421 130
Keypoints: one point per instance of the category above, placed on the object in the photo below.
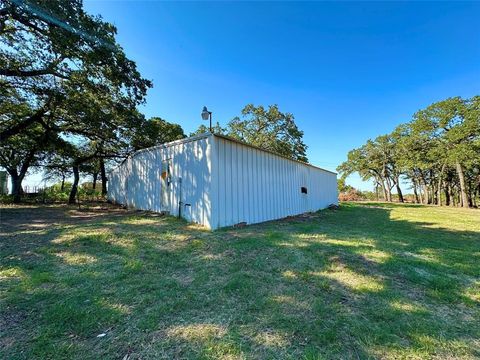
pixel 207 115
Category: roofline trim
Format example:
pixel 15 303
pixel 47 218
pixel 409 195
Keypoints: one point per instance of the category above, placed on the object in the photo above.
pixel 173 143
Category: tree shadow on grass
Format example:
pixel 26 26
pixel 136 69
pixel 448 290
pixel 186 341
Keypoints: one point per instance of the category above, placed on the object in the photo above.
pixel 352 283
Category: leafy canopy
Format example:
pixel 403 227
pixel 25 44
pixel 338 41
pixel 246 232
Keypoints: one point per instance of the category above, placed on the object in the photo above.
pixel 156 131
pixel 267 128
pixel 62 62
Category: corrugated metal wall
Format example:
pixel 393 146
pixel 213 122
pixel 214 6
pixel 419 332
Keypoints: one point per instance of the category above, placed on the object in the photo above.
pixel 224 182
pixel 252 186
pixel 137 182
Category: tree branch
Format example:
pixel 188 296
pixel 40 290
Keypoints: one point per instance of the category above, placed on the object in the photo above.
pixel 29 73
pixel 13 130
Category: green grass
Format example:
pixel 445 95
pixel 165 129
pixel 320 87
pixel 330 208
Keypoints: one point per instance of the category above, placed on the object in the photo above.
pixel 365 281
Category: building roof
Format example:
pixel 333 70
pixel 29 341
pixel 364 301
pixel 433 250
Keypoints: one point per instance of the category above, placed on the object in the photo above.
pixel 228 138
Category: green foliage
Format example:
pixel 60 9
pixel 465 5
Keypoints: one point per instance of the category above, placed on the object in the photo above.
pixel 6 199
pixel 453 126
pixel 156 131
pixel 22 151
pixel 202 129
pixel 64 75
pixel 269 129
pixel 342 185
pixel 437 151
pixel 60 61
pixel 61 192
pixel 56 193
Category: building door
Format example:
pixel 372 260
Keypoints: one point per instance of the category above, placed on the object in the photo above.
pixel 166 184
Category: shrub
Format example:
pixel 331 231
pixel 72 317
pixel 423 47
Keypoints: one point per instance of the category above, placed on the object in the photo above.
pixel 351 194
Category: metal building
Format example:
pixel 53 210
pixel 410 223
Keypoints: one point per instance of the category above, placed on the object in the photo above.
pixel 217 181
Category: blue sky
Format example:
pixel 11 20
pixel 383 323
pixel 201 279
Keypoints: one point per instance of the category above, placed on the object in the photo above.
pixel 347 71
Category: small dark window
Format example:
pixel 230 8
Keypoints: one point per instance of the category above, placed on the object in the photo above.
pixel 304 190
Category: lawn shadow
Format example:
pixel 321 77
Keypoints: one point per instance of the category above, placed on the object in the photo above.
pixel 350 283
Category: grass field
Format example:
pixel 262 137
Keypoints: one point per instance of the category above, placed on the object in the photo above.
pixel 364 281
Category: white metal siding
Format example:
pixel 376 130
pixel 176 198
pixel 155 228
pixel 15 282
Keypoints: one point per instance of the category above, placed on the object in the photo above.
pixel 252 186
pixel 137 182
pixel 224 181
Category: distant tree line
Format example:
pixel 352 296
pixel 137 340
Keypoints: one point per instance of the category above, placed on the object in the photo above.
pixel 437 152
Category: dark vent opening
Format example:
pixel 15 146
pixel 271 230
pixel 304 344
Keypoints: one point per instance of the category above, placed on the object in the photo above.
pixel 304 190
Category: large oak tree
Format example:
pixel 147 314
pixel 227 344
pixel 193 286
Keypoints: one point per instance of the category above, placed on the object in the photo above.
pixel 62 70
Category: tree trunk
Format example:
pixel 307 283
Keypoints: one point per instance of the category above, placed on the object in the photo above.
pixel 470 195
pixel 425 194
pixel 446 190
pixel 62 187
pixel 420 192
pixel 461 178
pixel 452 196
pixel 399 191
pixel 17 177
pixel 478 186
pixel 389 189
pixel 415 193
pixel 104 177
pixel 16 187
pixel 439 186
pixel 433 190
pixel 476 191
pixel 424 189
pixel 384 189
pixel 76 179
pixel 22 125
pixel 94 183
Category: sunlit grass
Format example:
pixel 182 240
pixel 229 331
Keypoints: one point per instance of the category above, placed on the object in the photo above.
pixel 368 280
pixel 196 332
pixel 76 259
pixel 352 280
